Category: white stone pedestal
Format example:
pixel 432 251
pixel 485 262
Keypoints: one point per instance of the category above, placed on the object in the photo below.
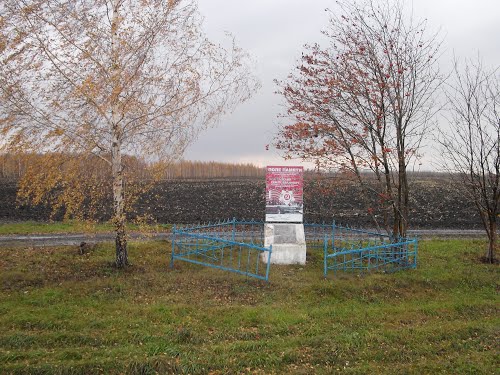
pixel 288 241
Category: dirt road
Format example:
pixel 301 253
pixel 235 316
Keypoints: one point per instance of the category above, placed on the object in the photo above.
pixel 38 240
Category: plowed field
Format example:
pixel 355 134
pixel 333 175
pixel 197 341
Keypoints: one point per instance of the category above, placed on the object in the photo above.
pixel 435 203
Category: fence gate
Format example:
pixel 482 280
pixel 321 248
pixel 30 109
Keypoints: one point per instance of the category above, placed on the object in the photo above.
pixel 231 245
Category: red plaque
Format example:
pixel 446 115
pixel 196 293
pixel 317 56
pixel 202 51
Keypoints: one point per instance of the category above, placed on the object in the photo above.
pixel 284 203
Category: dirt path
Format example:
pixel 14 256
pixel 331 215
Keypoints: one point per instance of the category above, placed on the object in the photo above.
pixel 37 240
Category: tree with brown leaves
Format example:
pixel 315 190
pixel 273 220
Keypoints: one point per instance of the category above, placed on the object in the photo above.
pixel 109 77
pixel 364 103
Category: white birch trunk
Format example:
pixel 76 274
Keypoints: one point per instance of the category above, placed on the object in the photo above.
pixel 116 144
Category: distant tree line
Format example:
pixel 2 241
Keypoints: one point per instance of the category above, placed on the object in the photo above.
pixel 186 169
pixel 14 166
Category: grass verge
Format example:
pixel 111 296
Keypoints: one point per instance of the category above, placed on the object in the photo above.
pixel 65 313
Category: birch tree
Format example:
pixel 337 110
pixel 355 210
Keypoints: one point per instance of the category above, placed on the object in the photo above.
pixel 471 146
pixel 364 103
pixel 108 77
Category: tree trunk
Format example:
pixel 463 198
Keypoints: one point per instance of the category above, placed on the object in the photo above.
pixel 116 152
pixel 403 197
pixel 403 200
pixel 490 255
pixel 118 204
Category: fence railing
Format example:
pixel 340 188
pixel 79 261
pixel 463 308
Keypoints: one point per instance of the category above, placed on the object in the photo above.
pixel 230 245
pixel 237 246
pixel 354 250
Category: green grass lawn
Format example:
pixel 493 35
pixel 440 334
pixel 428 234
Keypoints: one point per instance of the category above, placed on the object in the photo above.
pixel 70 226
pixel 64 313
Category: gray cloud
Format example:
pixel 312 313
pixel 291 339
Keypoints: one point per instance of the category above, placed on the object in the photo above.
pixel 274 32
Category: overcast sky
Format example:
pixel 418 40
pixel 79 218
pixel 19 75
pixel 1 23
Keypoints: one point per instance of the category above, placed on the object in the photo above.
pixel 274 32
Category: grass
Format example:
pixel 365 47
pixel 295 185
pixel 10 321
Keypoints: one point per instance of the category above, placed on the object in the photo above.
pixel 70 226
pixel 64 313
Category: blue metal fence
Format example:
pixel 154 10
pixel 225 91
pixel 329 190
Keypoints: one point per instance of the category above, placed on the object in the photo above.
pixel 238 246
pixel 234 246
pixel 354 250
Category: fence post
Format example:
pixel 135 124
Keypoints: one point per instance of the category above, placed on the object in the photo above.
pixel 325 252
pixel 268 266
pixel 234 229
pixel 172 239
pixel 333 236
pixel 416 252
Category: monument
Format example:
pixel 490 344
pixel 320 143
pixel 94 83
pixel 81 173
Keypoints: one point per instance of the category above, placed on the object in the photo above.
pixel 284 228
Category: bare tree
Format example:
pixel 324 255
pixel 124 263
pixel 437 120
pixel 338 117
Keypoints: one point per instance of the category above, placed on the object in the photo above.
pixel 471 147
pixel 110 77
pixel 364 102
pixel 12 44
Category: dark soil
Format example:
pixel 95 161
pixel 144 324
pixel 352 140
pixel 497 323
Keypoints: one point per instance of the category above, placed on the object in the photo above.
pixel 435 203
pixel 11 211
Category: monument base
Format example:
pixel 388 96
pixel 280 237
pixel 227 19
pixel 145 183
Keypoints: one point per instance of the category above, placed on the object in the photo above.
pixel 288 243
